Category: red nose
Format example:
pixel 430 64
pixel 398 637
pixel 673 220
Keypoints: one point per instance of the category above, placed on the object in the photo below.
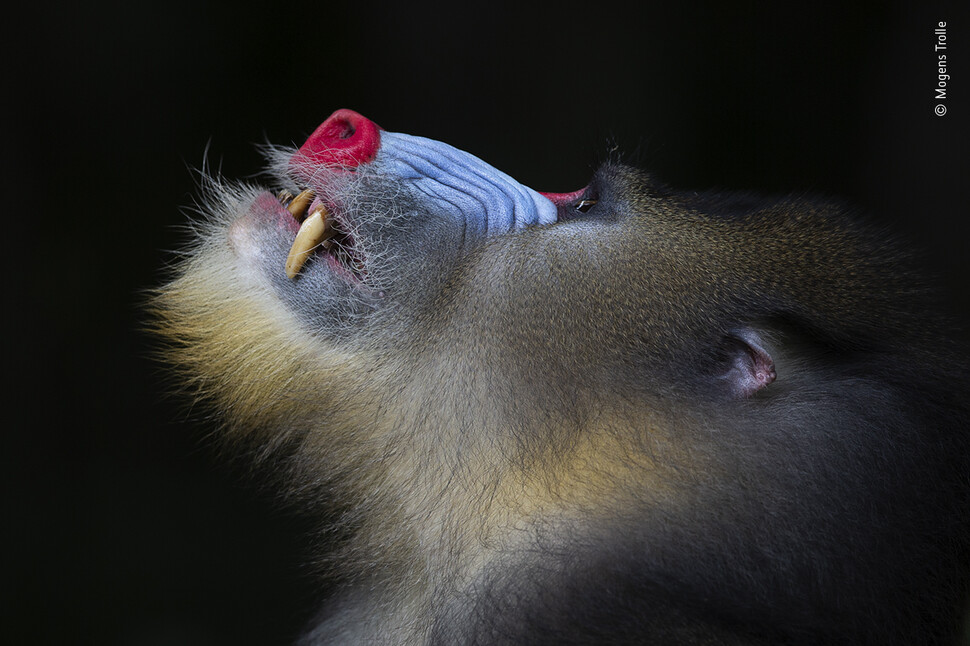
pixel 345 139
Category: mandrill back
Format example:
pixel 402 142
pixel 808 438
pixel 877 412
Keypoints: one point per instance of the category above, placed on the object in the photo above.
pixel 625 414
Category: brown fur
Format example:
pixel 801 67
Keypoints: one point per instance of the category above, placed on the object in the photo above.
pixel 546 399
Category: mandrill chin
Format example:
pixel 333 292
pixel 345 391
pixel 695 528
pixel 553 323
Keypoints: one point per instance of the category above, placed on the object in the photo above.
pixel 625 414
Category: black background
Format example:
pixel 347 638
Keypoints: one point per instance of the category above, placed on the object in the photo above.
pixel 120 524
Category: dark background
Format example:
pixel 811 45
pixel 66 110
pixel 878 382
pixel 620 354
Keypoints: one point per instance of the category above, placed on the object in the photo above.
pixel 120 524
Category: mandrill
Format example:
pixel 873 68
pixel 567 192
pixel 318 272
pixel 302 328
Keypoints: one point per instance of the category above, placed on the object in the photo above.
pixel 622 415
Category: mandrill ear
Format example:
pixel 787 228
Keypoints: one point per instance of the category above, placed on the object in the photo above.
pixel 745 367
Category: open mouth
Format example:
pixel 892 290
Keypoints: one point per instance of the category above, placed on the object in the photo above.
pixel 321 234
pixel 455 187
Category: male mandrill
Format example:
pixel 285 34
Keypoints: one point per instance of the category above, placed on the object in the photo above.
pixel 620 415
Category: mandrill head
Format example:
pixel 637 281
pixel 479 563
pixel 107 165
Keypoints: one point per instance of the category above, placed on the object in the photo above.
pixel 620 414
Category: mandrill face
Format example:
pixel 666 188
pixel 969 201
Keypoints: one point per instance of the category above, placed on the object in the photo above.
pixel 373 212
pixel 621 414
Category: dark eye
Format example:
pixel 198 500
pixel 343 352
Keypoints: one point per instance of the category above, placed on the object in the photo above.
pixel 584 205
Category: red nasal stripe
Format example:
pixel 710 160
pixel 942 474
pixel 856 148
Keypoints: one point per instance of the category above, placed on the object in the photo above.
pixel 345 139
pixel 349 139
pixel 564 198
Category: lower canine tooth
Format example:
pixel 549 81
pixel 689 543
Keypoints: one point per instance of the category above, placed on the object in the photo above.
pixel 314 230
pixel 300 204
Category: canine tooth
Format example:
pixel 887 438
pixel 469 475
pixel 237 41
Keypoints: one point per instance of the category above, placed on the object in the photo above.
pixel 285 197
pixel 314 231
pixel 300 204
